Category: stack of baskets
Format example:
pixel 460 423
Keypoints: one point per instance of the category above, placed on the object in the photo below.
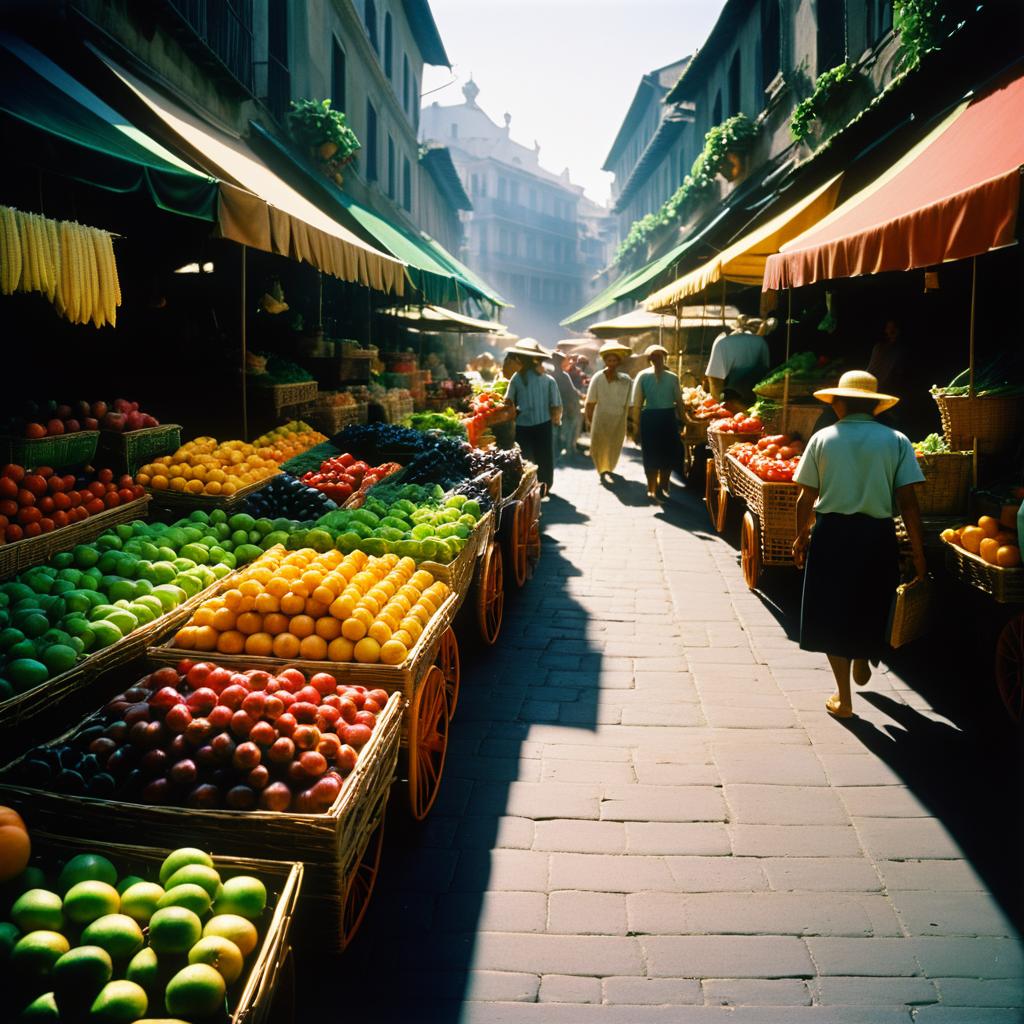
pixel 330 418
pixel 947 478
pixel 61 451
pixel 994 421
pixel 128 452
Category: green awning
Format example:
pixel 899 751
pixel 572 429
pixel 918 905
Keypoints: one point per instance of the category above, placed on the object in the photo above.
pixel 59 125
pixel 460 268
pixel 430 268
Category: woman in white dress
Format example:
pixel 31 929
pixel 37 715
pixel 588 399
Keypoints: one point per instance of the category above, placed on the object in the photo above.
pixel 606 409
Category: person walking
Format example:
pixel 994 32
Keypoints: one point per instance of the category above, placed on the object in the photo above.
pixel 606 409
pixel 739 360
pixel 534 395
pixel 657 412
pixel 853 475
pixel 569 429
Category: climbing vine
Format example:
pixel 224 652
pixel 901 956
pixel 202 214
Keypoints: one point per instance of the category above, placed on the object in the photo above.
pixel 924 24
pixel 829 85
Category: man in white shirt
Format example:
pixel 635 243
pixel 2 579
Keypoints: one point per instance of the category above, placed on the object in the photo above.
pixel 739 360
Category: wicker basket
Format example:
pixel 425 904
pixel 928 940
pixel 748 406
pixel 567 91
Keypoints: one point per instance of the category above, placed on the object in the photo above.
pixel 1006 586
pixel 947 478
pixel 526 484
pixel 719 442
pixel 284 396
pixel 458 573
pixel 62 451
pixel 330 845
pixel 33 550
pixel 910 615
pixel 250 1000
pixel 799 419
pixel 995 421
pixel 128 452
pixel 182 502
pixel 774 504
pixel 798 388
pixel 331 418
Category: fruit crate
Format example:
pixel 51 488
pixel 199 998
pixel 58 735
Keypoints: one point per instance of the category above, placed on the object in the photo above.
pixel 329 419
pixel 62 451
pixel 774 505
pixel 333 847
pixel 57 697
pixel 1004 586
pixel 284 396
pixel 129 451
pixel 458 573
pixel 251 999
pixel 181 502
pixel 23 554
pixel 719 442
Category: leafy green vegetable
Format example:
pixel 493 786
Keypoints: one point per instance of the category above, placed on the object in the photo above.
pixel 933 444
pixel 447 422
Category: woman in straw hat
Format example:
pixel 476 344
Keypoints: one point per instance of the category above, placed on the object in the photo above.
pixel 534 394
pixel 853 475
pixel 606 408
pixel 657 412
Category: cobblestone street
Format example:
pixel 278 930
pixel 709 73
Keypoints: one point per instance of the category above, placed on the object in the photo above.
pixel 647 815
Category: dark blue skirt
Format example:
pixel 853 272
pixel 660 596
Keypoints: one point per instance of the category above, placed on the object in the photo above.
pixel 849 584
pixel 659 440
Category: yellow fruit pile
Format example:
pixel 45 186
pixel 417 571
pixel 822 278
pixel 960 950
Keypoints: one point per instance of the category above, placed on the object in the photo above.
pixel 990 540
pixel 206 466
pixel 284 443
pixel 319 607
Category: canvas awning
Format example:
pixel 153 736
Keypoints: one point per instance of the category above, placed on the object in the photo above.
pixel 954 195
pixel 743 262
pixel 436 319
pixel 59 125
pixel 255 206
pixel 640 321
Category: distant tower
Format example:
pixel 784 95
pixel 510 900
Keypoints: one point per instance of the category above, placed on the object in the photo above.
pixel 471 90
pixel 508 122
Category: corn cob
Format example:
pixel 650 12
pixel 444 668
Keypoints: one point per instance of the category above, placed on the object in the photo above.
pixel 60 299
pixel 11 252
pixel 99 313
pixel 52 229
pixel 28 273
pixel 43 248
pixel 89 313
pixel 114 276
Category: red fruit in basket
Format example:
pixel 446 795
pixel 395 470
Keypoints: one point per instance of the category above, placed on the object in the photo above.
pixel 177 748
pixel 197 731
pixel 33 529
pixel 218 678
pixel 348 711
pixel 370 706
pixel 357 696
pixel 154 762
pixel 287 699
pixel 223 747
pixel 239 679
pixel 184 772
pixel 263 733
pixel 246 756
pixel 254 703
pixel 313 763
pixel 165 698
pixel 201 701
pixel 90 423
pixel 8 488
pixel 138 491
pixel 292 679
pixel 326 789
pixel 304 712
pixel 46 525
pixel 206 756
pixel 281 751
pixel 157 792
pixel 276 797
pixel 29 514
pixel 365 718
pixel 54 483
pixel 72 426
pixel 61 501
pixel 13 472
pixel 332 700
pixel 146 735
pixel 327 718
pixel 329 745
pixel 296 773
pixel 259 777
pixel 305 803
pixel 9 510
pixel 117 731
pixel 102 747
pixel 35 483
pixel 323 683
pixel 232 696
pixel 60 519
pixel 357 735
pixel 308 695
pixel 45 505
pixel 306 737
pixel 111 499
pixel 105 476
pixel 197 675
pixel 258 679
pixel 346 759
pixel 286 724
pixel 95 506
pixel 241 724
pixel 240 798
pixel 273 707
pixel 96 489
pixel 138 712
pixel 204 795
pixel 178 719
pixel 34 431
pixel 380 696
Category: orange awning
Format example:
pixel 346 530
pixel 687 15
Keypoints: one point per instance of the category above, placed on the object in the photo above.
pixel 954 195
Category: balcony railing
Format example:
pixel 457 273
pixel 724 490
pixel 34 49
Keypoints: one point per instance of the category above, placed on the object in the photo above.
pixel 225 26
pixel 524 216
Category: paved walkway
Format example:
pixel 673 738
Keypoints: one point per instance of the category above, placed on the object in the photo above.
pixel 647 815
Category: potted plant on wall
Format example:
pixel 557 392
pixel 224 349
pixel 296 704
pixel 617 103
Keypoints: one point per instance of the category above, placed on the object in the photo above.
pixel 727 145
pixel 325 132
pixel 815 116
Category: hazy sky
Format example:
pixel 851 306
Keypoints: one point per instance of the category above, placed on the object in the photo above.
pixel 566 70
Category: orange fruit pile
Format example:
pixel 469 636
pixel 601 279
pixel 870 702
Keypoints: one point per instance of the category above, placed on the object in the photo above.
pixel 319 607
pixel 206 466
pixel 987 539
pixel 284 443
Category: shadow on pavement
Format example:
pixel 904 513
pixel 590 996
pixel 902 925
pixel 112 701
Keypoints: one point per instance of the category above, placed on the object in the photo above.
pixel 468 869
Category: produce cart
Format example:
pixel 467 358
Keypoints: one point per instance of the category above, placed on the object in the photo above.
pixel 340 848
pixel 693 435
pixel 716 480
pixel 256 997
pixel 769 524
pixel 519 527
pixel 181 503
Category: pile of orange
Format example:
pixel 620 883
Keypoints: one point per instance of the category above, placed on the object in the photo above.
pixel 206 466
pixel 319 607
pixel 284 443
pixel 987 539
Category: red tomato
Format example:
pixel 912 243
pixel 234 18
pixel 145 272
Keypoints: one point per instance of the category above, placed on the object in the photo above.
pixel 8 508
pixel 60 519
pixel 26 498
pixel 13 533
pixel 34 431
pixel 69 481
pixel 94 506
pixel 29 514
pixel 61 501
pixel 44 471
pixel 3 524
pixel 13 471
pixel 46 505
pixel 124 481
pixel 33 529
pixel 8 487
pixel 111 499
pixel 96 489
pixel 80 513
pixel 138 491
pixel 34 483
pixel 104 476
pixel 46 525
pixel 126 494
pixel 55 484
pixel 75 497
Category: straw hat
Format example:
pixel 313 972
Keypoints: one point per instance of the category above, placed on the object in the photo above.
pixel 614 348
pixel 755 324
pixel 857 384
pixel 652 349
pixel 530 348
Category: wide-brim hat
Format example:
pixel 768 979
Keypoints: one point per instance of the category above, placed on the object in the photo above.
pixel 530 348
pixel 614 348
pixel 652 349
pixel 857 384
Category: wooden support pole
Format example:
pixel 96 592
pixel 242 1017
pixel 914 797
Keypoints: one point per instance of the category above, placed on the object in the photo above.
pixel 245 354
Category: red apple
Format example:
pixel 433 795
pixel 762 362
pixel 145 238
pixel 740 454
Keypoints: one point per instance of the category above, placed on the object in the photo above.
pixel 263 733
pixel 233 695
pixel 356 736
pixel 220 718
pixel 306 737
pixel 286 724
pixel 240 798
pixel 246 756
pixel 308 695
pixel 365 718
pixel 157 792
pixel 197 731
pixel 224 746
pixel 293 679
pixel 304 712
pixel 198 674
pixel 218 678
pixel 254 703
pixel 183 773
pixel 154 762
pixel 204 795
pixel 241 724
pixel 202 701
pixel 206 757
pixel 329 746
pixel 273 707
pixel 259 777
pixel 313 763
pixel 276 797
pixel 99 409
pixel 258 679
pixel 347 758
pixel 348 711
pixel 178 718
pixel 281 751
pixel 324 683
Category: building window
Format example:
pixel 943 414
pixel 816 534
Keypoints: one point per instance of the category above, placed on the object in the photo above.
pixel 769 48
pixel 502 189
pixel 831 36
pixel 337 76
pixel 391 167
pixel 514 192
pixel 716 110
pixel 415 104
pixel 878 16
pixel 388 62
pixel 533 199
pixel 370 16
pixel 405 83
pixel 279 84
pixel 407 185
pixel 735 97
pixel 370 145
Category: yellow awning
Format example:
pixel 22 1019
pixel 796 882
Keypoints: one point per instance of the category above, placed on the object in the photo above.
pixel 743 261
pixel 639 321
pixel 438 320
pixel 257 208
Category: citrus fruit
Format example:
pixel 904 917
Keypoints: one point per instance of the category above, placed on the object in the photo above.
pixel 80 973
pixel 242 895
pixel 188 895
pixel 119 1001
pixel 87 901
pixel 35 954
pixel 180 858
pixel 174 930
pixel 118 934
pixel 38 909
pixel 234 927
pixel 195 991
pixel 219 953
pixel 139 901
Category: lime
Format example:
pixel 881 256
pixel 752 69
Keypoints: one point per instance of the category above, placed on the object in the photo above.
pixel 195 991
pixel 38 909
pixel 174 930
pixel 87 901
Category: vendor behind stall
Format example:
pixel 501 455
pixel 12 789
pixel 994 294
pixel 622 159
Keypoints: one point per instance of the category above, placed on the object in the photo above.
pixel 739 360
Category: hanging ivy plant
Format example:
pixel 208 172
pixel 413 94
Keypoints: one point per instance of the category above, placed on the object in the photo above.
pixel 829 86
pixel 315 124
pixel 733 136
pixel 924 24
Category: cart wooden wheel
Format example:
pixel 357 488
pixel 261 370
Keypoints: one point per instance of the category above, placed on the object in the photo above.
pixel 447 661
pixel 517 540
pixel 688 458
pixel 428 742
pixel 360 885
pixel 533 532
pixel 1010 668
pixel 490 594
pixel 716 497
pixel 750 549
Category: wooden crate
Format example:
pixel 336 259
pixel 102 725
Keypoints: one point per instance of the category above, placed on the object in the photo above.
pixel 774 504
pixel 61 451
pixel 129 451
pixel 181 502
pixel 458 573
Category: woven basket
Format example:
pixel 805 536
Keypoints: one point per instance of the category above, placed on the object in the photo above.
pixel 801 388
pixel 329 419
pixel 719 442
pixel 910 614
pixel 34 550
pixel 995 421
pixel 250 999
pixel 62 451
pixel 947 478
pixel 182 502
pixel 1006 586
pixel 799 420
pixel 774 504
pixel 128 452
pixel 526 484
pixel 329 845
pixel 458 574
pixel 284 396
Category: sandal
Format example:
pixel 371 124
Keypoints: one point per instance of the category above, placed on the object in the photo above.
pixel 835 709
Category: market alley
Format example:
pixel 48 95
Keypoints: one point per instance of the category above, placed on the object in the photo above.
pixel 647 815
